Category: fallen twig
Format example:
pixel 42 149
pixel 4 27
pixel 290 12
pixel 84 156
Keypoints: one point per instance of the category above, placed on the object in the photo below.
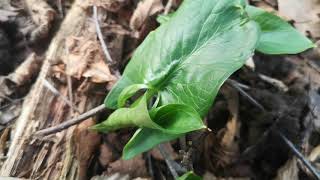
pixel 57 93
pixel 71 122
pixel 245 94
pixel 275 82
pixel 299 155
pixel 100 36
pixel 168 160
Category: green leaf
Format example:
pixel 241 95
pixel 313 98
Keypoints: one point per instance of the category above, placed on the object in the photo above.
pixel 187 59
pixel 145 139
pixel 128 92
pixel 177 119
pixel 278 36
pixel 190 176
pixel 171 118
pixel 164 18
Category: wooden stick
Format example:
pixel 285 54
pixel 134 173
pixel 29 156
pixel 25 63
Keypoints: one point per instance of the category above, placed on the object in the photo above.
pixel 168 160
pixel 71 122
pixel 299 155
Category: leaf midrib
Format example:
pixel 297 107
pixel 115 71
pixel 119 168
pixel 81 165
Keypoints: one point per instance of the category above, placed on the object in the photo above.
pixel 196 49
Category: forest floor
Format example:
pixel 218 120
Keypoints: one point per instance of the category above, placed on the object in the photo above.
pixel 269 97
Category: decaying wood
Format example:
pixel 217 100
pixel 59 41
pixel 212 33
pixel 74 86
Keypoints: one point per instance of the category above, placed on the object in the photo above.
pixel 58 156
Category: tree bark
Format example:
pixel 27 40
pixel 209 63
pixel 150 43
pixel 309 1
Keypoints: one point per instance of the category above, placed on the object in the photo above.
pixel 61 155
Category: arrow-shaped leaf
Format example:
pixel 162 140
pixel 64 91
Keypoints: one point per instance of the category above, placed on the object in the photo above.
pixel 189 57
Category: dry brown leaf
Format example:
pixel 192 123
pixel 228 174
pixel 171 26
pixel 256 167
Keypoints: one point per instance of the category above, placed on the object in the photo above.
pixel 315 154
pixel 145 9
pixel 21 76
pixel 289 171
pixel 222 149
pixel 85 59
pixel 233 125
pixel 304 13
pixel 42 15
pixel 98 72
pixel 29 68
pixel 136 167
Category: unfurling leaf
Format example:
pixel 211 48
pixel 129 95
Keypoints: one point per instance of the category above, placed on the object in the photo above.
pixel 128 92
pixel 170 119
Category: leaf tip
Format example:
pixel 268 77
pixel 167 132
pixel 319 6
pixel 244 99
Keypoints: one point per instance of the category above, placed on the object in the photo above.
pixel 98 127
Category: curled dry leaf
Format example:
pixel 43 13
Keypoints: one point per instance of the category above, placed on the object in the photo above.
pixel 42 15
pixel 84 59
pixel 21 76
pixel 97 72
pixel 304 22
pixel 144 9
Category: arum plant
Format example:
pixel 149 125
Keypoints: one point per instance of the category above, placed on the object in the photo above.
pixel 184 62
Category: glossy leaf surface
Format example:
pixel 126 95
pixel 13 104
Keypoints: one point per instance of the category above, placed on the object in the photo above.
pixel 189 57
pixel 185 61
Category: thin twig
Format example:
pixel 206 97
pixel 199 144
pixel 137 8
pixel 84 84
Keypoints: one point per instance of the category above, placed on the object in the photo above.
pixel 71 122
pixel 100 36
pixel 299 155
pixel 151 172
pixel 243 86
pixel 57 93
pixel 275 82
pixel 6 97
pixel 245 94
pixel 168 160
